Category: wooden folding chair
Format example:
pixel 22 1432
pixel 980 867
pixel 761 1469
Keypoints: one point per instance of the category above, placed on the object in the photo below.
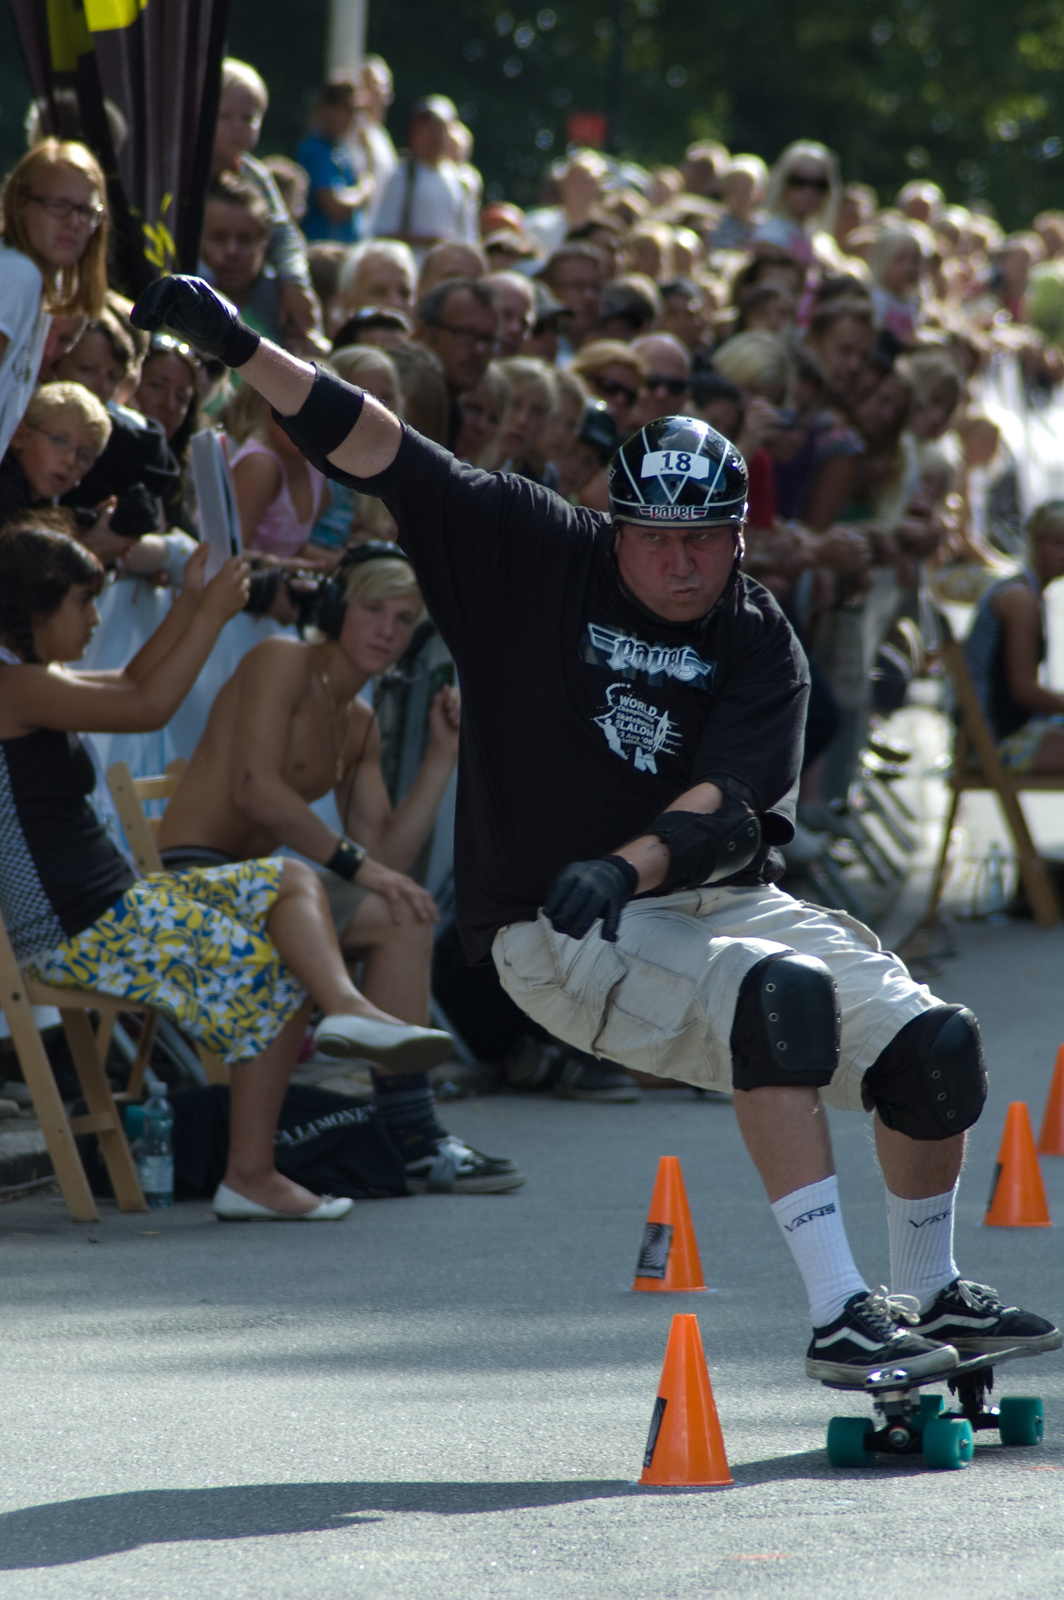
pixel 129 795
pixel 978 765
pixel 18 996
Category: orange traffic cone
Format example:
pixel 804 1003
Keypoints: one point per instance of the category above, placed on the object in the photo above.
pixel 1051 1138
pixel 669 1257
pixel 685 1445
pixel 1018 1196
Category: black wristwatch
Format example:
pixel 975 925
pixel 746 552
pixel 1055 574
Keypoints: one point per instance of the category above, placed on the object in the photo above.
pixel 346 859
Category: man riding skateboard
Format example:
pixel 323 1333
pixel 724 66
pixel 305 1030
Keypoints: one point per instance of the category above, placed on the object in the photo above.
pixel 633 708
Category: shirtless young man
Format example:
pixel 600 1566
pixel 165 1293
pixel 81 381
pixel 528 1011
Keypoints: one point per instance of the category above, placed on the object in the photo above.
pixel 286 729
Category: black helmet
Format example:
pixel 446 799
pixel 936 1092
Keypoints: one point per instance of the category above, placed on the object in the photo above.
pixel 678 469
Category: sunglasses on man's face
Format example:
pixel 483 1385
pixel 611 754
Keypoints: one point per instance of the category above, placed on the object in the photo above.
pixel 673 386
pixel 798 180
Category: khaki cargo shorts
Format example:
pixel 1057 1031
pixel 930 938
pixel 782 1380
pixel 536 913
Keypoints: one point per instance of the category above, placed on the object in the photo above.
pixel 662 999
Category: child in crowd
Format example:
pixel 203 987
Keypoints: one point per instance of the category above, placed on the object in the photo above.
pixel 53 261
pixel 897 263
pixel 136 465
pixel 742 189
pixel 62 432
pixel 236 233
pixel 240 112
pixel 338 195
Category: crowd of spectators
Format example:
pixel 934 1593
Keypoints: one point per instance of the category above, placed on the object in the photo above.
pixel 840 338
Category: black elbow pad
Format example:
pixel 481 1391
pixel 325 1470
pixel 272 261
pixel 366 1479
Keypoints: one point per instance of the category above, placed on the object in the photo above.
pixel 324 421
pixel 705 847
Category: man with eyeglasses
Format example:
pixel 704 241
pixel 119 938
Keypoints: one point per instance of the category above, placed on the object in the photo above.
pixel 668 380
pixel 458 322
pixel 633 717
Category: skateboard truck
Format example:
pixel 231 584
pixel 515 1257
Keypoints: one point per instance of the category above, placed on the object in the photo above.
pixel 912 1423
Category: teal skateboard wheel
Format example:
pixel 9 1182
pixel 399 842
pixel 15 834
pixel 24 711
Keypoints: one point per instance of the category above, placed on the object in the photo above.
pixel 846 1437
pixel 948 1443
pixel 1020 1420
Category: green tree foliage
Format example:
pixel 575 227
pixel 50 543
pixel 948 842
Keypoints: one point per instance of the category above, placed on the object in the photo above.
pixel 967 92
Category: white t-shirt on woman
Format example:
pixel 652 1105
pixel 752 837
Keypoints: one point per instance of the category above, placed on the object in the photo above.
pixel 26 323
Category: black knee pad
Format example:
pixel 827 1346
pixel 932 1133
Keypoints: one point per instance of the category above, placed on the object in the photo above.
pixel 787 1024
pixel 930 1081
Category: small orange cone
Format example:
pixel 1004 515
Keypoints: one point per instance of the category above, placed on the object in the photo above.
pixel 685 1445
pixel 1051 1138
pixel 669 1256
pixel 1018 1196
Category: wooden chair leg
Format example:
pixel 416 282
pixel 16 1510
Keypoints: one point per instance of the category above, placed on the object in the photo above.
pixel 942 863
pixel 51 1113
pixel 105 1033
pixel 103 1113
pixel 1036 880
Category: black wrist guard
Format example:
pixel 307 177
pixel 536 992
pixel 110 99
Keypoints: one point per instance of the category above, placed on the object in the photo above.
pixel 324 421
pixel 346 859
pixel 705 847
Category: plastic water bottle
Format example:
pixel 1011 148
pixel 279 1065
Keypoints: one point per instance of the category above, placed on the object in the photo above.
pixel 155 1159
pixel 996 892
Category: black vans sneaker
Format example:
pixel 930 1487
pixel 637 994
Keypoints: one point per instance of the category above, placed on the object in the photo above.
pixel 452 1167
pixel 970 1316
pixel 866 1337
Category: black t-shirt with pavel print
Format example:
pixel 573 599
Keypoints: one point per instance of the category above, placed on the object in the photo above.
pixel 583 714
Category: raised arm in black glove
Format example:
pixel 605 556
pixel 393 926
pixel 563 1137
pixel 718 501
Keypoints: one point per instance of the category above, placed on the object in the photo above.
pixel 587 890
pixel 197 313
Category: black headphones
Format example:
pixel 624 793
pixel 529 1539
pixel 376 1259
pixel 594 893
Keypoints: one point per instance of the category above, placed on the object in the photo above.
pixel 331 599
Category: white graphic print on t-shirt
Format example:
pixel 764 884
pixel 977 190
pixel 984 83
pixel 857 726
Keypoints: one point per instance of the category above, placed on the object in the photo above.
pixel 633 726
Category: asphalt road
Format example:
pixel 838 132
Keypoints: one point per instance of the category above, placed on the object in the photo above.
pixel 449 1397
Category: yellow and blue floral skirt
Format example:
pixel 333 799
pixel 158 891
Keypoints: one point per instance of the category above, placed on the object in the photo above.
pixel 195 946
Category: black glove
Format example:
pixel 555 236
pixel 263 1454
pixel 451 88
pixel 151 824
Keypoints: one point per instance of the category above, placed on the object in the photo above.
pixel 196 313
pixel 587 890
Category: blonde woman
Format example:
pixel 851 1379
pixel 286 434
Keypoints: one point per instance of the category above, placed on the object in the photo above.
pixel 53 261
pixel 801 200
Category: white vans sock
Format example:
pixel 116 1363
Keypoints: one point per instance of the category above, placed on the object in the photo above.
pixel 812 1226
pixel 921 1245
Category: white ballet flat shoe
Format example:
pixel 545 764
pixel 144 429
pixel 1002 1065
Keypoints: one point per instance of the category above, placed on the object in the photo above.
pixel 392 1044
pixel 232 1207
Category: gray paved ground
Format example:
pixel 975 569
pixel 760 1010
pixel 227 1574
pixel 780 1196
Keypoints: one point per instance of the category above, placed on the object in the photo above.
pixel 450 1397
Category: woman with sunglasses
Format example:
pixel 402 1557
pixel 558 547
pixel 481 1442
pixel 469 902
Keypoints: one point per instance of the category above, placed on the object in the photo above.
pixel 614 373
pixel 53 261
pixel 801 200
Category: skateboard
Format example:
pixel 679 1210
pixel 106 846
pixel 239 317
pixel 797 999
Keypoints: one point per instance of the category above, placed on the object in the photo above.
pixel 910 1423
